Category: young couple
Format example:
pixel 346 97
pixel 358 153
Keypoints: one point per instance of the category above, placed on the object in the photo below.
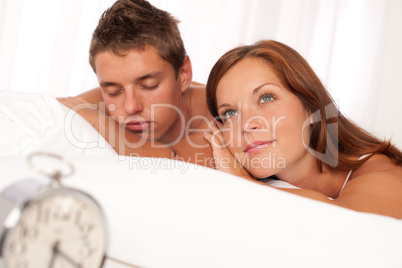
pixel 272 114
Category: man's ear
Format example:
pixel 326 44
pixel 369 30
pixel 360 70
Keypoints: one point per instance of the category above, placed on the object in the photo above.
pixel 186 74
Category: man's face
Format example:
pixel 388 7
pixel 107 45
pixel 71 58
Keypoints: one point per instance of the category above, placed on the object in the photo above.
pixel 141 92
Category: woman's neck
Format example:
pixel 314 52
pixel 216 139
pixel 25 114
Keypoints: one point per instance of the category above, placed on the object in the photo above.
pixel 307 175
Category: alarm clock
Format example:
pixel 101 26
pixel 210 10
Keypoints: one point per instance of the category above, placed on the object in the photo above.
pixel 47 224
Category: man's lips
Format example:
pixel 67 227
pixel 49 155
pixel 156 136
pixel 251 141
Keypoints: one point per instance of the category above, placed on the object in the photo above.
pixel 138 125
pixel 258 145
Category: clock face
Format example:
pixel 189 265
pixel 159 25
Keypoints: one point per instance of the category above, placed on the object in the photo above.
pixel 60 230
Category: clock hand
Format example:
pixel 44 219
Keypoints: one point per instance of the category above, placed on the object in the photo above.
pixel 54 254
pixel 68 258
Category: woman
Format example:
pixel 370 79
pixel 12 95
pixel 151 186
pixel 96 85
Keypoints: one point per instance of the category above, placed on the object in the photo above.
pixel 274 117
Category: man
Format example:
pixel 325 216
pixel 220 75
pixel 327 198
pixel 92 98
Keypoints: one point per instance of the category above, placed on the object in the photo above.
pixel 146 86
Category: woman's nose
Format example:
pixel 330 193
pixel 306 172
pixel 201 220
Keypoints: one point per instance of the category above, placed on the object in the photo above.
pixel 255 123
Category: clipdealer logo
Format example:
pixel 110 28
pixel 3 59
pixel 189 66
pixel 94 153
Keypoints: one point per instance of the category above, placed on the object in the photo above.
pixel 330 156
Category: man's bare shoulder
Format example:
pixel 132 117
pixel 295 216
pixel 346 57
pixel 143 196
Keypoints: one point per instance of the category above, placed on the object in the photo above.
pixel 196 84
pixel 198 102
pixel 92 96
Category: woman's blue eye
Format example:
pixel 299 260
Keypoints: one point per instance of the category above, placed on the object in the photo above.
pixel 229 113
pixel 267 98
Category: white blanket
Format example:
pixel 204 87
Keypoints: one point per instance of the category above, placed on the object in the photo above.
pixel 167 213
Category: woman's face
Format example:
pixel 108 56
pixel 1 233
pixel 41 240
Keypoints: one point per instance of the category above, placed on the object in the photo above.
pixel 262 120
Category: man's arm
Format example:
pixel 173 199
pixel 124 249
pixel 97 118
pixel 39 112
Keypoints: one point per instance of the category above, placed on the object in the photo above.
pixel 125 142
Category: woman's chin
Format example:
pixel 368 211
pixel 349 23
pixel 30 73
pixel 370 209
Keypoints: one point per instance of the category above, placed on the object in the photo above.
pixel 262 173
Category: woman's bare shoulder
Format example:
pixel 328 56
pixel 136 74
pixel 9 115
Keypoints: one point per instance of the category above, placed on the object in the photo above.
pixel 375 187
pixel 378 163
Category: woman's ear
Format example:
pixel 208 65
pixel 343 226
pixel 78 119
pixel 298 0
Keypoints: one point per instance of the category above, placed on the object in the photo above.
pixel 186 74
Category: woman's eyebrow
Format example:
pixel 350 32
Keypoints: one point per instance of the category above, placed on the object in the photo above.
pixel 255 91
pixel 224 105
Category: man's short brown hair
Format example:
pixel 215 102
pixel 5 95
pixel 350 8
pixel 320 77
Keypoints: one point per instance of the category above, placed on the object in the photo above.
pixel 136 24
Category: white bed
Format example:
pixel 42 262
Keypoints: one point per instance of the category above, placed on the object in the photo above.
pixel 166 213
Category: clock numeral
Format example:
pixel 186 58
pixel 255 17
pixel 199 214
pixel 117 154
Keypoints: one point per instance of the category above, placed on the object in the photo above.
pixel 21 264
pixel 86 250
pixel 43 215
pixel 61 214
pixel 64 209
pixel 27 232
pixel 17 248
pixel 86 228
pixel 77 218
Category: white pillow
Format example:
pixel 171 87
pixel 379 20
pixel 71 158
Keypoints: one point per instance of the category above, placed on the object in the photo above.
pixel 36 121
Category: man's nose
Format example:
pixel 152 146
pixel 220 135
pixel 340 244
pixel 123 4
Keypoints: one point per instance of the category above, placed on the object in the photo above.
pixel 133 103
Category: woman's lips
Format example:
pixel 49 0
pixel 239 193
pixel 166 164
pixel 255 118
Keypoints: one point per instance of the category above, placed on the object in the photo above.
pixel 138 125
pixel 257 146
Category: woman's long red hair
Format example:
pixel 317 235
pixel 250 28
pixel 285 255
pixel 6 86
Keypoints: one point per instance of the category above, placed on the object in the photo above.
pixel 337 146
